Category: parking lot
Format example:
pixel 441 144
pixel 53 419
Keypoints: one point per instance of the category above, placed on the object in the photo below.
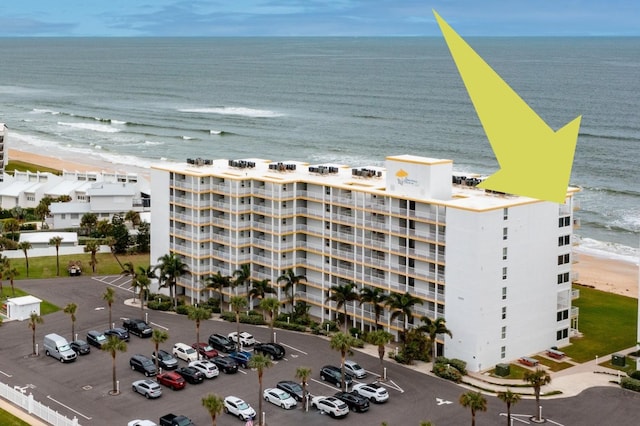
pixel 81 388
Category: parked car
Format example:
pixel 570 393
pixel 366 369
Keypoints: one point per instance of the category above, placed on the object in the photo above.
pixel 119 332
pixel 139 422
pixel 221 343
pixel 242 358
pixel 373 391
pixel 138 327
pixel 172 380
pixel 175 420
pixel 205 350
pixel 57 347
pixel 292 388
pixel 280 398
pixel 354 369
pixel 271 350
pixel 191 375
pixel 148 388
pixel 246 339
pixel 225 364
pixel 184 352
pixel 354 401
pixel 237 407
pixel 143 364
pixel 80 347
pixel 331 405
pixel 207 368
pixel 96 338
pixel 332 374
pixel 165 360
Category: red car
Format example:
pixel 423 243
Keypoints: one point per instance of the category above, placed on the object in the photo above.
pixel 205 350
pixel 172 380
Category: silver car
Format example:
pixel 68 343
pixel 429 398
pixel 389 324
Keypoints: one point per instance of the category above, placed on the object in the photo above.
pixel 148 388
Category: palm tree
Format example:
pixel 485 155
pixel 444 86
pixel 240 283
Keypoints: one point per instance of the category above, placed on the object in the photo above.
pixel 291 280
pixel 218 282
pixel 198 314
pixel 260 363
pixel 341 294
pixel 144 283
pixel 88 221
pixel 92 247
pixel 4 265
pixel 34 320
pixel 433 328
pixel 112 243
pixel 158 336
pixel 25 246
pixel 113 345
pixel 261 288
pixel 401 305
pixel 11 272
pixel 380 338
pixel 129 269
pixel 56 241
pixel 243 276
pixel 376 298
pixel 342 342
pixel 509 398
pixel 214 404
pixel 537 379
pixel 238 303
pixel 303 373
pixel 71 309
pixel 171 269
pixel 271 305
pixel 133 217
pixel 109 296
pixel 475 401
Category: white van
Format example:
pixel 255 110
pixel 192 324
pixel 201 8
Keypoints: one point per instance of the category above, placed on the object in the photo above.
pixel 57 347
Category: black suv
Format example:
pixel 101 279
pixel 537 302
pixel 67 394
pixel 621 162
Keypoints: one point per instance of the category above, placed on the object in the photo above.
pixel 221 343
pixel 119 332
pixel 137 327
pixel 332 374
pixel 271 350
pixel 143 364
pixel 354 401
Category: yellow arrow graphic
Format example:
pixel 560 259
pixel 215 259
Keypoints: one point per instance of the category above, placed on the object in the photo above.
pixel 535 161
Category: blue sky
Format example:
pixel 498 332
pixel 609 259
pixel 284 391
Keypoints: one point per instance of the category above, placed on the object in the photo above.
pixel 122 18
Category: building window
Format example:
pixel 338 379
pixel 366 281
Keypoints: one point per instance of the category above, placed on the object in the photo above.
pixel 563 278
pixel 505 233
pixel 505 213
pixel 564 221
pixel 63 216
pixel 504 293
pixel 504 312
pixel 503 334
pixel 503 352
pixel 562 334
pixel 504 253
pixel 562 315
pixel 504 273
pixel 563 259
pixel 564 240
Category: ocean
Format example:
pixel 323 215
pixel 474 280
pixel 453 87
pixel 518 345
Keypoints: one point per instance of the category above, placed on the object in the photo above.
pixel 134 102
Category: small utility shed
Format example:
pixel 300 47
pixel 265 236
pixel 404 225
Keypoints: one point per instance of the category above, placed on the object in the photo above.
pixel 20 308
pixel 41 239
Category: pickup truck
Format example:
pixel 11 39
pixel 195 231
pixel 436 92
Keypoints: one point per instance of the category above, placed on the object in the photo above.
pixel 175 420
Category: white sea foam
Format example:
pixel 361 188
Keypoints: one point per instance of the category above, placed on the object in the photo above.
pixel 608 250
pixel 215 132
pixel 104 128
pixel 246 112
pixel 118 122
pixel 44 111
pixel 153 143
pixel 187 138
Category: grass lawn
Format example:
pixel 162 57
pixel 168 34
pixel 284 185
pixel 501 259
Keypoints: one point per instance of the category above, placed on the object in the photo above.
pixel 22 166
pixel 608 322
pixel 516 372
pixel 8 419
pixel 553 365
pixel 45 307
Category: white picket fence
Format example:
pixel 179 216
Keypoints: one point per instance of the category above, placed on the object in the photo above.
pixel 34 407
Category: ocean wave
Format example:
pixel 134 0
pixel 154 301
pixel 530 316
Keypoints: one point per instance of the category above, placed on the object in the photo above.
pixel 153 143
pixel 608 250
pixel 187 138
pixel 45 111
pixel 611 137
pixel 611 191
pixel 245 112
pixel 88 126
pixel 220 132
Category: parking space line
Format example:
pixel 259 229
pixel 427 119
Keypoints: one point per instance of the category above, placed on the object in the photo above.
pixel 160 326
pixel 391 384
pixel 325 384
pixel 295 349
pixel 69 408
pixel 8 375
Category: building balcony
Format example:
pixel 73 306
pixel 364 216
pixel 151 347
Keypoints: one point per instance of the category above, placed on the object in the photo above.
pixel 575 294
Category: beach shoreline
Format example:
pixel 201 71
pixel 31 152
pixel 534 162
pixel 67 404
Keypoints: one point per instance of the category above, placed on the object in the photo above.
pixel 597 271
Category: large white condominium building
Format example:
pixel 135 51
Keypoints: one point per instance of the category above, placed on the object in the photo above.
pixel 497 267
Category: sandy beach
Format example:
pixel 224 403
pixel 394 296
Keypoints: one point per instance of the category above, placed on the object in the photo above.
pixel 604 273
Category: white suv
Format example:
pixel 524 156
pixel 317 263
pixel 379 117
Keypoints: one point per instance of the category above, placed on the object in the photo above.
pixel 374 392
pixel 237 407
pixel 331 405
pixel 185 352
pixel 246 339
pixel 209 369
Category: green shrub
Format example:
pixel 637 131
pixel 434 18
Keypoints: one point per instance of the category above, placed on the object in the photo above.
pixel 244 318
pixel 333 326
pixel 631 384
pixel 182 310
pixel 355 330
pixel 228 316
pixel 446 371
pixel 289 326
pixel 635 375
pixel 459 365
pixel 358 343
pixel 159 306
